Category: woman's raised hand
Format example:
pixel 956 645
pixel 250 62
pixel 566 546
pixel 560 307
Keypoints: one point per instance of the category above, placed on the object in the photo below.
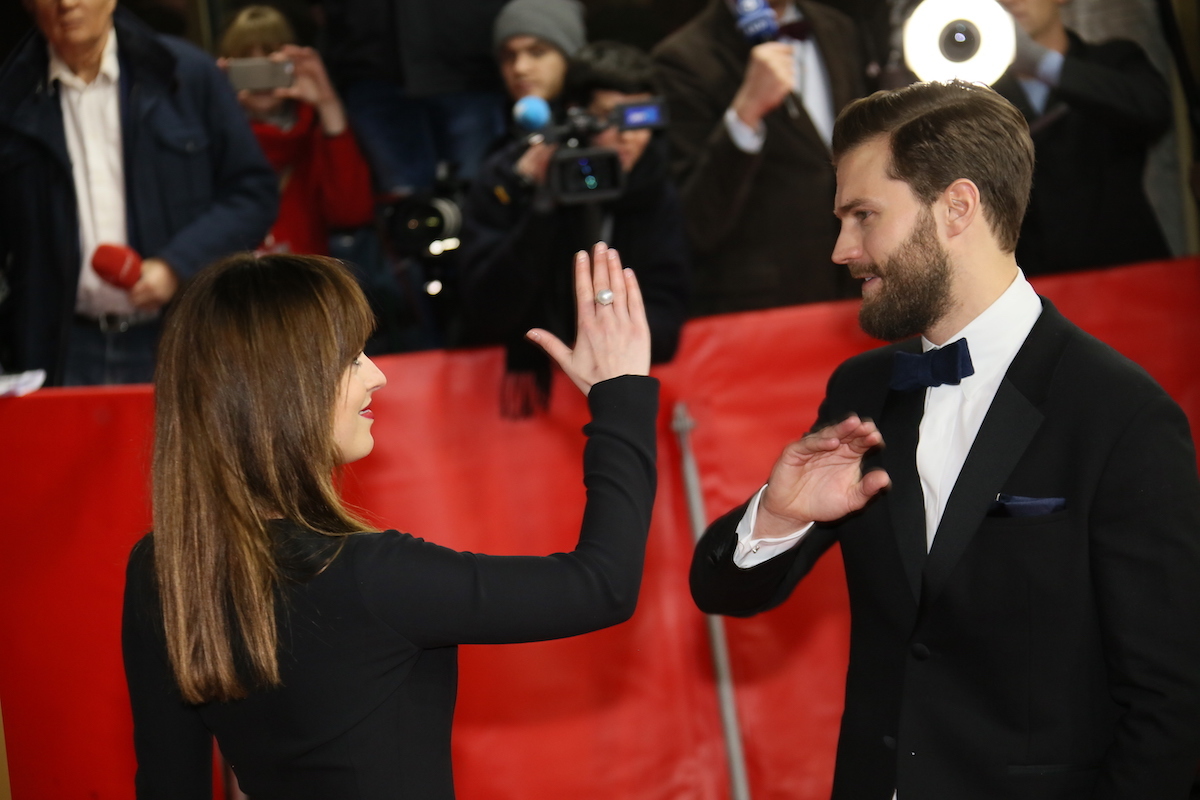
pixel 612 336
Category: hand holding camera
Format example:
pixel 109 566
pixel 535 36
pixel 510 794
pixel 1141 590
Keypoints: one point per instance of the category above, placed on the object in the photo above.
pixel 534 163
pixel 290 73
pixel 560 158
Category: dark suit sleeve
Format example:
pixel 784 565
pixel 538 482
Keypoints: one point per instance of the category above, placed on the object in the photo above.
pixel 174 748
pixel 1117 83
pixel 1145 535
pixel 721 587
pixel 434 596
pixel 244 187
pixel 715 177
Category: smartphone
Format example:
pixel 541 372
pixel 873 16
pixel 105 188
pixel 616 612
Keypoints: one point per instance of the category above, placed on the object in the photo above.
pixel 258 74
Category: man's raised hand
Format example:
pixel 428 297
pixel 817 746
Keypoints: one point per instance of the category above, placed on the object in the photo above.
pixel 820 479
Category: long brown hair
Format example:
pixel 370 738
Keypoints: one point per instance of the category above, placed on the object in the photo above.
pixel 249 368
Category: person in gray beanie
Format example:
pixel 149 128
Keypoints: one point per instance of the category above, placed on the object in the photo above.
pixel 533 41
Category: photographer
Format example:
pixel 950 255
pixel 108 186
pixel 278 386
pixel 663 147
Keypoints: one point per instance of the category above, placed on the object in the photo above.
pixel 518 238
pixel 324 182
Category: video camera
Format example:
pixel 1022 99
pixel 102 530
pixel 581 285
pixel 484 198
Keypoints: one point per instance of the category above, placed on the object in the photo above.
pixel 578 173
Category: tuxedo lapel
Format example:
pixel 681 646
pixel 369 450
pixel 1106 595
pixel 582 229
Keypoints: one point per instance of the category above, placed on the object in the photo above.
pixel 1007 429
pixel 1011 422
pixel 901 420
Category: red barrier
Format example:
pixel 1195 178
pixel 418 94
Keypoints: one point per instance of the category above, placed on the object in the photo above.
pixel 629 712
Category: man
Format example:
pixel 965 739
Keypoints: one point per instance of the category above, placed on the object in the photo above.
pixel 534 40
pixel 111 134
pixel 1094 111
pixel 519 242
pixel 1025 595
pixel 750 127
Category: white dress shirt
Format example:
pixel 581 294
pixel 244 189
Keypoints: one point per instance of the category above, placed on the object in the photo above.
pixel 952 418
pixel 91 115
pixel 812 86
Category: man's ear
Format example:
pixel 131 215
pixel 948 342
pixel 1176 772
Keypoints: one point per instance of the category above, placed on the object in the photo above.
pixel 961 206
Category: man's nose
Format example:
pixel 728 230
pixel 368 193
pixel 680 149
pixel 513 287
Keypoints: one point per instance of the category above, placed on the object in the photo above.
pixel 847 248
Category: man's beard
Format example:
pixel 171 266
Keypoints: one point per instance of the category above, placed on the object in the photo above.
pixel 914 292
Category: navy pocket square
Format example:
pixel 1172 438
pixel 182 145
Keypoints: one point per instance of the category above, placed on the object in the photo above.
pixel 1011 505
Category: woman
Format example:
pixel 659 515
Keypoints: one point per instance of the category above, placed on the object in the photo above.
pixel 324 182
pixel 322 657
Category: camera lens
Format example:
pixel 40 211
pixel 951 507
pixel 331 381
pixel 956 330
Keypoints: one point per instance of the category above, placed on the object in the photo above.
pixel 959 41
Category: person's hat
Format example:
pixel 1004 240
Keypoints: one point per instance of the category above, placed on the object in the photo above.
pixel 559 22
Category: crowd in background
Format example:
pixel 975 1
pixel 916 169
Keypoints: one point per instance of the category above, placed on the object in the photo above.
pixel 391 144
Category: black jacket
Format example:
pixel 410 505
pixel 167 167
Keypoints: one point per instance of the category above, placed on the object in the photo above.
pixel 1089 207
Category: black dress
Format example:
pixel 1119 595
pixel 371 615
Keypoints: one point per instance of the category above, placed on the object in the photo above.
pixel 368 652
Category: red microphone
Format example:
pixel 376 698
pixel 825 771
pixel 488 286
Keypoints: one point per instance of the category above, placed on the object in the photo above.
pixel 119 265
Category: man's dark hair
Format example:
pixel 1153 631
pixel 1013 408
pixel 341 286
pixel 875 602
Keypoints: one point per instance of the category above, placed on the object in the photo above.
pixel 940 132
pixel 614 66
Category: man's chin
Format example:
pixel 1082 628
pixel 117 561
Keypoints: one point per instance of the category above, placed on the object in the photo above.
pixel 879 325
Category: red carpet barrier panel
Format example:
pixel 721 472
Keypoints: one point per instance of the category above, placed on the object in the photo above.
pixel 624 713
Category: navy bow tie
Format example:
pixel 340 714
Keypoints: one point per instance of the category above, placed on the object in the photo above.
pixel 949 364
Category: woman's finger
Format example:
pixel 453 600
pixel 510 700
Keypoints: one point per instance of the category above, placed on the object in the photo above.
pixel 585 297
pixel 616 282
pixel 553 346
pixel 633 293
pixel 600 281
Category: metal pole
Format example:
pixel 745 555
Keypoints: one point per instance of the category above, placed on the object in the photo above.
pixel 682 423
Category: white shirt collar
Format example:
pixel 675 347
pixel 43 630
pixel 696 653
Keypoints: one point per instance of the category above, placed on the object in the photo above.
pixel 110 65
pixel 995 336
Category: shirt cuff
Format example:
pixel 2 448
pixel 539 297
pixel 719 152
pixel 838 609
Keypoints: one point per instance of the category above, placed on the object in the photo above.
pixel 748 140
pixel 752 552
pixel 1049 68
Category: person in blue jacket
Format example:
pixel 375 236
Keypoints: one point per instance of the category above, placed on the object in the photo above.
pixel 113 134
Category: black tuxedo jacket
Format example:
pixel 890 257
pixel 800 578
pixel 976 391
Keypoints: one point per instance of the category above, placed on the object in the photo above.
pixel 1024 657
